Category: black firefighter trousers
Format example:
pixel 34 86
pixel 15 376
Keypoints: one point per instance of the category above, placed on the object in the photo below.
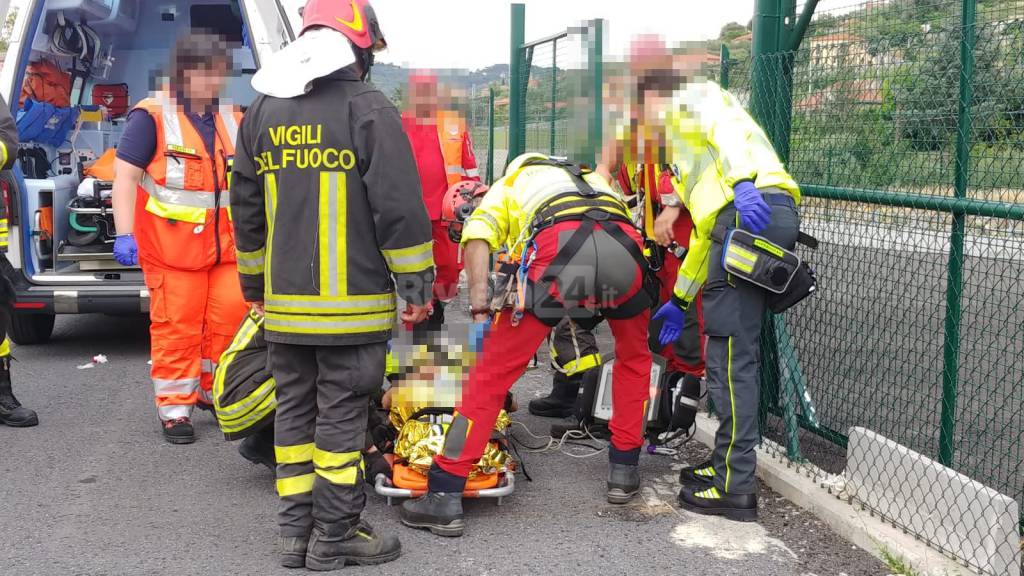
pixel 320 430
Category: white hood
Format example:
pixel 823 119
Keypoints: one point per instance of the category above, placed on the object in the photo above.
pixel 289 72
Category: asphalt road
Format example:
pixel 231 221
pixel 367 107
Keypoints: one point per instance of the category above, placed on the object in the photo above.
pixel 95 490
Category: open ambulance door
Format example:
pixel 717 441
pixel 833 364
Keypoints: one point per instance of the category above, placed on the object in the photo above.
pixel 268 25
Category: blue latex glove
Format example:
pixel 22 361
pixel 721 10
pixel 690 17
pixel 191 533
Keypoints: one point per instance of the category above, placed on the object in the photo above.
pixel 477 331
pixel 674 318
pixel 126 251
pixel 755 213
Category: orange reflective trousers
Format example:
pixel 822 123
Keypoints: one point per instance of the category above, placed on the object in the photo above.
pixel 193 318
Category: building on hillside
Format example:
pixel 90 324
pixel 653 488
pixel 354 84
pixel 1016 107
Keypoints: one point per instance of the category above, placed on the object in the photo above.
pixel 845 94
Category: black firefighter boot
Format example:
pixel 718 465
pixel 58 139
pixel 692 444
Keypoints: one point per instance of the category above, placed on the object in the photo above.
pixel 711 501
pixel 440 509
pixel 623 474
pixel 259 448
pixel 293 551
pixel 332 546
pixel 12 413
pixel 561 402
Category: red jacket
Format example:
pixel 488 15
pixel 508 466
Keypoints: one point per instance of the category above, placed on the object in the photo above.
pixel 444 155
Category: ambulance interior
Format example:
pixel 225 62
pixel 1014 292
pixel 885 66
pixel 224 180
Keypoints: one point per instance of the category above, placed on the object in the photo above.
pixel 62 213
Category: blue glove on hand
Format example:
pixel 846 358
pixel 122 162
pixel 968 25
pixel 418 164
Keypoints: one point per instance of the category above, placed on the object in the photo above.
pixel 477 331
pixel 755 213
pixel 126 251
pixel 674 318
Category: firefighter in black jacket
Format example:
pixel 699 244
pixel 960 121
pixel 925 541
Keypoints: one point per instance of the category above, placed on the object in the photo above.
pixel 12 413
pixel 328 218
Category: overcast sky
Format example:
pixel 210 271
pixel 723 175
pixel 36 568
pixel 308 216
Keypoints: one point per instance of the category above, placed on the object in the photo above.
pixel 475 33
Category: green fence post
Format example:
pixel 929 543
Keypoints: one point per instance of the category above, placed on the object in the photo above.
pixel 554 91
pixel 516 89
pixel 723 79
pixel 766 41
pixel 955 278
pixel 764 79
pixel 595 58
pixel 490 136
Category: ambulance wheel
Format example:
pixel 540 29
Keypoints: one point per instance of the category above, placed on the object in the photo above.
pixel 31 328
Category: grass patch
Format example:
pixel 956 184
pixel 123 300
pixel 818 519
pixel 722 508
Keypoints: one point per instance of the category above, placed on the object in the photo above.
pixel 898 565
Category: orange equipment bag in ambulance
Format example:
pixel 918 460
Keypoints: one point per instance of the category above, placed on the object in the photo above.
pixel 46 82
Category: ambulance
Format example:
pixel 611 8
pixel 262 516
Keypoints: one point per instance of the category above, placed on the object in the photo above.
pixel 72 70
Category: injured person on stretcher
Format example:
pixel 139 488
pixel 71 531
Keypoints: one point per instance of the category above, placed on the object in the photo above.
pixel 407 420
pixel 421 406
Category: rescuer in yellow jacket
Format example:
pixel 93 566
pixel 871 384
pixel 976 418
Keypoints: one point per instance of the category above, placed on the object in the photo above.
pixel 579 256
pixel 728 177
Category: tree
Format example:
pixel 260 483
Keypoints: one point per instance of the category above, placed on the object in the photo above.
pixel 732 31
pixel 926 93
pixel 8 28
pixel 398 96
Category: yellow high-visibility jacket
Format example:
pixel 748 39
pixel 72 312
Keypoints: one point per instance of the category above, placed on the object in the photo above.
pixel 508 208
pixel 8 155
pixel 715 144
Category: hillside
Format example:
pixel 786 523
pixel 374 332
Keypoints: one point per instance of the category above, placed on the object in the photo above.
pixel 392 77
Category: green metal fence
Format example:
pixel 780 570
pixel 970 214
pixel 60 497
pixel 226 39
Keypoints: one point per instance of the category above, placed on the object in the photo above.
pixel 903 121
pixel 487 120
pixel 557 88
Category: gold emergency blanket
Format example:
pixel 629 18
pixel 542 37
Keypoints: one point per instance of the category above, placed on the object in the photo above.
pixel 418 442
pixel 433 378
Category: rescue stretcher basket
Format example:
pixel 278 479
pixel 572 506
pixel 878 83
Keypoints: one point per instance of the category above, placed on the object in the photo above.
pixel 405 482
pixel 384 486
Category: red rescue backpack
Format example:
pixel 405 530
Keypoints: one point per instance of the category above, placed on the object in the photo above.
pixel 46 82
pixel 113 97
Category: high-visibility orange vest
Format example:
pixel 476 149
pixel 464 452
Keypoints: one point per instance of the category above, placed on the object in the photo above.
pixel 182 217
pixel 451 129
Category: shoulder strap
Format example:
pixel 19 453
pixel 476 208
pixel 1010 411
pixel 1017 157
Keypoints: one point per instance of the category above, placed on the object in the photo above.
pixel 576 171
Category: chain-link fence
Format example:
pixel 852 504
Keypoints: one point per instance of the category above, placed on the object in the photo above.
pixel 904 125
pixel 551 82
pixel 903 121
pixel 488 126
pixel 559 89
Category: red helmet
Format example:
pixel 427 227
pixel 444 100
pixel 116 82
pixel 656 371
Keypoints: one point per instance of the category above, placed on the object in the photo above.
pixel 353 18
pixel 458 205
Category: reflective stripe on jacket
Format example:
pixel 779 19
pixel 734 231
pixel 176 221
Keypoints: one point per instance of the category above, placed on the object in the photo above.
pixel 714 145
pixel 456 148
pixel 243 387
pixel 182 219
pixel 8 155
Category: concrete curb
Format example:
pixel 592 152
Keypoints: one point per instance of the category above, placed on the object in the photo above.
pixel 858 526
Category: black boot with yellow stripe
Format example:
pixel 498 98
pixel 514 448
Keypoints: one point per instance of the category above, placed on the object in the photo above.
pixel 12 413
pixel 700 476
pixel 711 501
pixel 336 545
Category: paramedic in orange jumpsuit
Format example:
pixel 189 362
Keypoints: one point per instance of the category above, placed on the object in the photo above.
pixel 444 156
pixel 171 214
